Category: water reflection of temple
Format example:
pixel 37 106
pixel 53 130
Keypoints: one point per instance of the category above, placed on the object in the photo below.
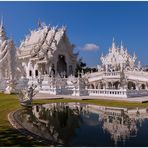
pixel 119 126
pixel 120 123
pixel 58 121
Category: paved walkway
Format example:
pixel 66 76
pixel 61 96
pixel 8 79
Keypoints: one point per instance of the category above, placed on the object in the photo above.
pixel 12 118
pixel 48 96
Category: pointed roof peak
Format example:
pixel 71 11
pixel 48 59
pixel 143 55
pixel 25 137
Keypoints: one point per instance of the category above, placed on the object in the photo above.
pixel 39 23
pixel 134 55
pixel 113 43
pixel 2 30
pixel 121 46
pixel 113 40
pixel 2 20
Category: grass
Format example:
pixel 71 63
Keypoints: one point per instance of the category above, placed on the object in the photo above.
pixel 96 102
pixel 8 103
pixel 8 135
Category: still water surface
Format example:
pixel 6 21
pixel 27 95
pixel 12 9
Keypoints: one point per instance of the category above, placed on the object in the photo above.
pixel 75 124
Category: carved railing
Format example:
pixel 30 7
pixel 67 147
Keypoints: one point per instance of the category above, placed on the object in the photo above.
pixel 107 92
pixel 117 93
pixel 100 75
pixel 115 73
pixel 141 92
pixel 133 75
pixel 137 75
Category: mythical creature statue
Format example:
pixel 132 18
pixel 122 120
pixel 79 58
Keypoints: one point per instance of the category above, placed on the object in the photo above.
pixel 11 84
pixel 26 95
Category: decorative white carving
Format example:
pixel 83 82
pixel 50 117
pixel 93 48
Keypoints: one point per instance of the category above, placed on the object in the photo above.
pixel 118 59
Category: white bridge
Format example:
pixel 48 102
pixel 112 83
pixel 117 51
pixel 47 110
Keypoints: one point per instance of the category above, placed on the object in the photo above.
pixel 62 86
pixel 130 75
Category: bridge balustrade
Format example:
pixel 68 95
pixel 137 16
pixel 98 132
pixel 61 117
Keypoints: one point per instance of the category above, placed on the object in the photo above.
pixel 107 92
pixel 112 73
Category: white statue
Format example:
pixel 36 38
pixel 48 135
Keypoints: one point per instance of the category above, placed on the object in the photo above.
pixel 26 95
pixel 11 84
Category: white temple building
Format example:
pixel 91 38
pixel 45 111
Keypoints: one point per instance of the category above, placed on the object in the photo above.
pixel 119 75
pixel 46 57
pixel 47 51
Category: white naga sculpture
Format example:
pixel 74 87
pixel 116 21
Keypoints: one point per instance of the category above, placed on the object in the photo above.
pixel 26 95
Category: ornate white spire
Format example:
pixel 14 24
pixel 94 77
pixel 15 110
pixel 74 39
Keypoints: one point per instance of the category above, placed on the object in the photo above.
pixel 134 56
pixel 113 44
pixel 1 25
pixel 113 41
pixel 39 23
pixel 2 31
pixel 139 65
pixel 121 46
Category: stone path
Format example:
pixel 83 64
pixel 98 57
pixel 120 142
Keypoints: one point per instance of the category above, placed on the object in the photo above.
pixel 16 125
pixel 48 96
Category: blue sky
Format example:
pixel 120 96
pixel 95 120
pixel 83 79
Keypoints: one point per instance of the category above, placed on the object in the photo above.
pixel 88 23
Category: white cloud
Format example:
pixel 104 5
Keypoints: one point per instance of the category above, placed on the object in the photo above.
pixel 90 47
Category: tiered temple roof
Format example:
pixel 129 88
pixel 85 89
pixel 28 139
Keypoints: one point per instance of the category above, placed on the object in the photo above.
pixel 42 42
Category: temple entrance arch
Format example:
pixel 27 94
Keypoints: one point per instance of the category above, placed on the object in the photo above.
pixel 116 85
pixel 110 85
pixel 92 86
pixel 131 85
pixel 42 68
pixel 61 66
pixel 143 86
pixel 100 85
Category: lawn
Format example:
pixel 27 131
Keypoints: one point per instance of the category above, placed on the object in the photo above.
pixel 8 103
pixel 96 102
pixel 8 135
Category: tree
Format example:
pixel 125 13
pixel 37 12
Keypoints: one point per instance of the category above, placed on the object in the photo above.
pixel 81 66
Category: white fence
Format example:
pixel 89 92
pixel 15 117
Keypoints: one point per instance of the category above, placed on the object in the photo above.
pixel 54 89
pixel 107 92
pixel 136 93
pixel 103 75
pixel 64 91
pixel 111 73
pixel 95 92
pixel 117 93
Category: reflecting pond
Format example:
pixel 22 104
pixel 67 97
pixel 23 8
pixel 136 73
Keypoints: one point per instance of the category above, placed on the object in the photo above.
pixel 75 124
